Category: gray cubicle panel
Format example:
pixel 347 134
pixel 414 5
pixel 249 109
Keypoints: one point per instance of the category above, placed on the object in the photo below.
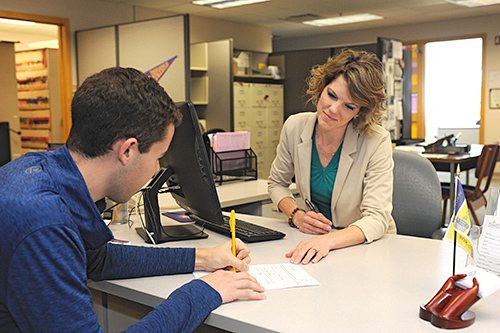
pixel 147 44
pixel 142 45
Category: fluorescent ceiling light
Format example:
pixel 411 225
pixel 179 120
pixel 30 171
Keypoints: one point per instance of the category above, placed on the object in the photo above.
pixel 474 3
pixel 343 20
pixel 4 20
pixel 222 4
pixel 53 44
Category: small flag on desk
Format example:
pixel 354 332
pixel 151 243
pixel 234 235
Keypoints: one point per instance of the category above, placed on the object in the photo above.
pixel 158 71
pixel 460 221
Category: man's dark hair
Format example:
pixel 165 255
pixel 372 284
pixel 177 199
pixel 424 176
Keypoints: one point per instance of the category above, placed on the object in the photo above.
pixel 119 103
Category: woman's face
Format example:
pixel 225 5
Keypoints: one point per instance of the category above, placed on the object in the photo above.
pixel 335 106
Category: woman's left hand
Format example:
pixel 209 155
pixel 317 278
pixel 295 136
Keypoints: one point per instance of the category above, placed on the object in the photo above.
pixel 317 248
pixel 310 250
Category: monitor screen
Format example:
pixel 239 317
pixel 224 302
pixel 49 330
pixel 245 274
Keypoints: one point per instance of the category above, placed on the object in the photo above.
pixel 4 143
pixel 191 172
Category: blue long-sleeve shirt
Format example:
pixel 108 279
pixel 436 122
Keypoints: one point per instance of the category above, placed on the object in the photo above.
pixel 52 240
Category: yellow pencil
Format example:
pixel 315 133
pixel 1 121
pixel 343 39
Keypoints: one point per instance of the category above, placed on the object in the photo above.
pixel 232 225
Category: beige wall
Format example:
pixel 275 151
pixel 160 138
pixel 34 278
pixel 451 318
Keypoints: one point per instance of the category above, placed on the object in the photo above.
pixel 245 36
pixel 488 25
pixel 87 14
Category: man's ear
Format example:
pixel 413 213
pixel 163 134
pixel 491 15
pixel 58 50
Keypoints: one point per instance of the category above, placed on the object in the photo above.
pixel 127 150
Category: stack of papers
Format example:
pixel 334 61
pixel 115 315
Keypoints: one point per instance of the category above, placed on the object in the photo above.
pixel 228 141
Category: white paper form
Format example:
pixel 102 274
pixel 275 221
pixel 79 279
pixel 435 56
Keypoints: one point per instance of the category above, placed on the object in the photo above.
pixel 489 245
pixel 277 276
pixel 280 276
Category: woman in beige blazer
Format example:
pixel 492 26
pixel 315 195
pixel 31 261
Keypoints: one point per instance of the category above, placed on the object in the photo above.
pixel 340 157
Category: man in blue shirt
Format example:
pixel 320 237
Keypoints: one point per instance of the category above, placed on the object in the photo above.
pixel 53 238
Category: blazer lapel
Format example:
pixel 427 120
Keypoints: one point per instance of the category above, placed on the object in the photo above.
pixel 304 152
pixel 348 148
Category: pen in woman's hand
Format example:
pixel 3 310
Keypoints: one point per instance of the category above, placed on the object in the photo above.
pixel 312 206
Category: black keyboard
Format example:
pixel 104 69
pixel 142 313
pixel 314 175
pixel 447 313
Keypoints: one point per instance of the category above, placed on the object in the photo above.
pixel 246 231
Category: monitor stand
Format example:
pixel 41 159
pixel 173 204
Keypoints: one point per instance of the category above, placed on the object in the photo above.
pixel 154 232
pixel 173 233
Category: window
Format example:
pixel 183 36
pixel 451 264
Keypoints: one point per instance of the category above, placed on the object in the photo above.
pixel 453 78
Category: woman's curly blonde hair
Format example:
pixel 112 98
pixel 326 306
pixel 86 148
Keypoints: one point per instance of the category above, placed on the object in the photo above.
pixel 364 75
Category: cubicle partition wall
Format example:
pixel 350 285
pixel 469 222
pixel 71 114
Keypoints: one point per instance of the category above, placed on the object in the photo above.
pixel 96 49
pixel 142 45
pixel 219 110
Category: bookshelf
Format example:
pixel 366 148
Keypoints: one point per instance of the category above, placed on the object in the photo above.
pixel 38 91
pixel 199 76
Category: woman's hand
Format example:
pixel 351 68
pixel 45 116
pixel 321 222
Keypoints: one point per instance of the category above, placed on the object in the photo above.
pixel 311 250
pixel 315 249
pixel 312 223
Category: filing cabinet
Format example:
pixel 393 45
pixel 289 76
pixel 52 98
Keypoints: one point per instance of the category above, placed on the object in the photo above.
pixel 258 108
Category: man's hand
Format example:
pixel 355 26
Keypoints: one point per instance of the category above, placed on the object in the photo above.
pixel 221 257
pixel 235 286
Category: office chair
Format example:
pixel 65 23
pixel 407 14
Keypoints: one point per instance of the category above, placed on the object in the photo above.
pixel 416 196
pixel 475 195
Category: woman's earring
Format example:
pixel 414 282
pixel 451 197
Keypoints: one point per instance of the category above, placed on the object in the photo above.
pixel 355 122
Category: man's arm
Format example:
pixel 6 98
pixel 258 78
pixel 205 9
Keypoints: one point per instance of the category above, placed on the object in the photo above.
pixel 46 288
pixel 115 261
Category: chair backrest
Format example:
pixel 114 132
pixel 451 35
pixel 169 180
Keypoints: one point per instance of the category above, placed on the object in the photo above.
pixel 485 167
pixel 417 195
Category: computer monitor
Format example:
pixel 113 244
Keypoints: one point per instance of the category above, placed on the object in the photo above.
pixel 189 179
pixel 4 143
pixel 191 172
pixel 186 170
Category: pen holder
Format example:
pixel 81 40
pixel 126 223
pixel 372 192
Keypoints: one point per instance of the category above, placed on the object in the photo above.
pixel 449 307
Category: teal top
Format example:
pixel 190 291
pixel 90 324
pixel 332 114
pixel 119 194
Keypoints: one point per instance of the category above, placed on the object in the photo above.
pixel 323 179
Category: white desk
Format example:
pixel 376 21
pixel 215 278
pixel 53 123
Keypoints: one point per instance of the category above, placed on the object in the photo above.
pixel 230 194
pixel 250 196
pixel 376 287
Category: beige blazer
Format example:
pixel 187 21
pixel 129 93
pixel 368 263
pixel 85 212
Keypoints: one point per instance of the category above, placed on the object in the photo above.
pixel 362 194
